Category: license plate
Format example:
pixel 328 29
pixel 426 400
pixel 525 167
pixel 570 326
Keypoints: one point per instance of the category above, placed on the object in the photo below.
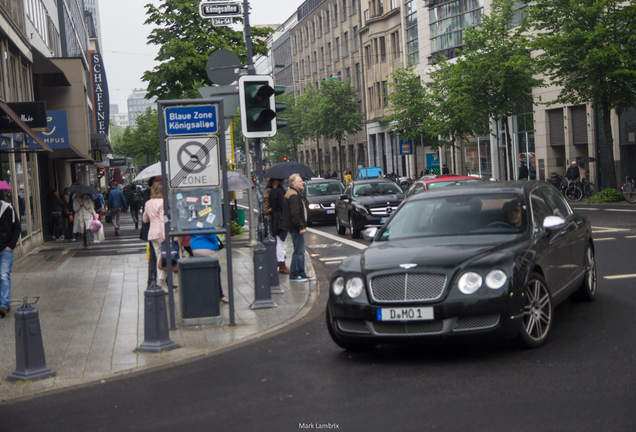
pixel 382 220
pixel 405 314
pixel 331 211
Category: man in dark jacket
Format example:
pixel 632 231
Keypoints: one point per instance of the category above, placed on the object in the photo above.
pixel 9 234
pixel 116 205
pixel 573 172
pixel 295 221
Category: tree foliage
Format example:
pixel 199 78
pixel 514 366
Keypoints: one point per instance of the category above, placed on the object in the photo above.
pixel 285 143
pixel 588 48
pixel 185 42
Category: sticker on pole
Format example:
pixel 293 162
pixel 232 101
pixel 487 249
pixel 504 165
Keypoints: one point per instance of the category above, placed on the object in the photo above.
pixel 193 162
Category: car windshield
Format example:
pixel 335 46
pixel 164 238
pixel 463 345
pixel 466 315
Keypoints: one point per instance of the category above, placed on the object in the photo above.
pixel 376 189
pixel 322 189
pixel 458 215
pixel 441 184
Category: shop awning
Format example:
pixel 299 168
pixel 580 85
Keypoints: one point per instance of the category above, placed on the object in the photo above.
pixel 26 129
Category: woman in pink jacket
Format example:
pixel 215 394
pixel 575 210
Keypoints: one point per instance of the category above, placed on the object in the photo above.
pixel 153 213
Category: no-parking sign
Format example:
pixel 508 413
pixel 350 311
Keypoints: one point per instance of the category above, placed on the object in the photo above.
pixel 193 161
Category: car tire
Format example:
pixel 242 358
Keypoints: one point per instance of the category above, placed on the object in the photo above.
pixel 354 233
pixel 339 228
pixel 538 313
pixel 350 346
pixel 587 290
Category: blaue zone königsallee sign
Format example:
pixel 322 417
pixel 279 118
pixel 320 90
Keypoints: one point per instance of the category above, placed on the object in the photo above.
pixel 191 120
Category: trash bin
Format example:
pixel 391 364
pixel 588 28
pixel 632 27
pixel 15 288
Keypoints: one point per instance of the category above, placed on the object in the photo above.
pixel 199 280
pixel 241 217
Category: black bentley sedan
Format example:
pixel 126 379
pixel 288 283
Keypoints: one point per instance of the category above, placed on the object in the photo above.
pixel 490 260
pixel 366 203
pixel 319 196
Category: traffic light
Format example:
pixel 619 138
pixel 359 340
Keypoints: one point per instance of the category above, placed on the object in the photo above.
pixel 258 106
pixel 284 158
pixel 280 106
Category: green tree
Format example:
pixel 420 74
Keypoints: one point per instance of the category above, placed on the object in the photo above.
pixel 185 42
pixel 285 143
pixel 339 113
pixel 306 117
pixel 588 48
pixel 495 68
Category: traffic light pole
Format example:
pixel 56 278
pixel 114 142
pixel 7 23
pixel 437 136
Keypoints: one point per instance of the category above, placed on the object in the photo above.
pixel 248 38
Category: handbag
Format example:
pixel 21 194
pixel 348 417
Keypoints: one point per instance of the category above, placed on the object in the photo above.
pixel 95 225
pixel 109 219
pixel 174 252
pixel 221 246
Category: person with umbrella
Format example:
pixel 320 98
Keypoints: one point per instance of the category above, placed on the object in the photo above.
pixel 84 215
pixel 275 197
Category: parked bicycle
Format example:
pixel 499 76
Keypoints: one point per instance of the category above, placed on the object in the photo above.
pixel 577 190
pixel 629 190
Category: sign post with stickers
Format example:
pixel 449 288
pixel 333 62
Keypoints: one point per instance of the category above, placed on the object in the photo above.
pixel 189 135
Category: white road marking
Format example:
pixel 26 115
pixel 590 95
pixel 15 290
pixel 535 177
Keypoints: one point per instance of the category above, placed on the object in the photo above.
pixel 579 208
pixel 630 236
pixel 625 276
pixel 623 210
pixel 604 238
pixel 338 239
pixel 333 258
pixel 607 230
pixel 332 262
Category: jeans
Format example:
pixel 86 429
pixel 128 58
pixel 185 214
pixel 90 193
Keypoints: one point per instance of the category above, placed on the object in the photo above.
pixel 114 214
pixel 297 267
pixel 57 224
pixel 6 264
pixel 134 212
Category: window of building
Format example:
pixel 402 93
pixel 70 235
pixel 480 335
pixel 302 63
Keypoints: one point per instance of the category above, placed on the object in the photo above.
pixel 355 38
pixel 371 97
pixel 346 43
pixel 367 55
pixel 335 15
pixel 382 49
pixel 385 93
pixel 329 52
pixel 358 83
pixel 366 15
pixel 412 44
pixel 327 20
pixel 380 7
pixel 348 73
pixel 377 51
pixel 337 48
pixel 395 44
pixel 319 26
pixel 393 4
pixel 322 57
pixel 447 21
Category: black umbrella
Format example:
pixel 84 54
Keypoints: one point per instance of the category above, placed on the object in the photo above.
pixel 284 169
pixel 83 189
pixel 587 159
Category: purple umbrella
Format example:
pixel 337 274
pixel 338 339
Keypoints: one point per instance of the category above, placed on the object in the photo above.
pixel 5 186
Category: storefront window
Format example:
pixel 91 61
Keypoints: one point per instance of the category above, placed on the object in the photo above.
pixel 525 140
pixel 477 158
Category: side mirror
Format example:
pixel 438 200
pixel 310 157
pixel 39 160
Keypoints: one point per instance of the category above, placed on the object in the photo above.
pixel 369 233
pixel 553 222
pixel 343 197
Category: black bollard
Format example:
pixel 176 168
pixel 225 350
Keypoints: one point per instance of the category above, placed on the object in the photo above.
pixel 274 283
pixel 156 334
pixel 29 350
pixel 262 293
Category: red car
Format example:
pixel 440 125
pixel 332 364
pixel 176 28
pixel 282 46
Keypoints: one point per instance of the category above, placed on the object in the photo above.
pixel 441 181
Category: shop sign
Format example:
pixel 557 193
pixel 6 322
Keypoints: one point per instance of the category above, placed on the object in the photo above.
pixel 33 114
pixel 57 135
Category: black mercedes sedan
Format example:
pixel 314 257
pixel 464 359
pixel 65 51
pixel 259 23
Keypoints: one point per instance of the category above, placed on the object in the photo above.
pixel 319 196
pixel 489 260
pixel 366 203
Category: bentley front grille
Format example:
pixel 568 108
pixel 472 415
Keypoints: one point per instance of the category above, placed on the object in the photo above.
pixel 408 328
pixel 402 287
pixel 476 322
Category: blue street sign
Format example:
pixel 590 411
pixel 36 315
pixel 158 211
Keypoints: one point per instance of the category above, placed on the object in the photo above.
pixel 190 120
pixel 406 147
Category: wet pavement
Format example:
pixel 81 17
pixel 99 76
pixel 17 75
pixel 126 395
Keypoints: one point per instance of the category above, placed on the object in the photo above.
pixel 90 305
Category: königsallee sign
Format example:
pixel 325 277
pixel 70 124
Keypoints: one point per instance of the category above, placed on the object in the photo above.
pixel 99 85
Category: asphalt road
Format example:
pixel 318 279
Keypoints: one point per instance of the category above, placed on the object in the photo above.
pixel 583 379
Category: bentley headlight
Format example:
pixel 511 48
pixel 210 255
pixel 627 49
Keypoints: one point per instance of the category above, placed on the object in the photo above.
pixel 361 209
pixel 469 282
pixel 314 206
pixel 496 279
pixel 338 285
pixel 354 287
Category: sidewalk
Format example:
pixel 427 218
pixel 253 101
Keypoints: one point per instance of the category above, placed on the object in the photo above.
pixel 90 305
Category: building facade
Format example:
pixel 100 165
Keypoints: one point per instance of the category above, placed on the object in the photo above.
pixel 137 104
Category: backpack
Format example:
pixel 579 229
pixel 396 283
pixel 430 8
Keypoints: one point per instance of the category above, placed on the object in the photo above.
pixel 3 207
pixel 136 199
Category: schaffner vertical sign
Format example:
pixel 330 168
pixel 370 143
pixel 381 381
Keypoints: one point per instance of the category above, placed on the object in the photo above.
pixel 101 106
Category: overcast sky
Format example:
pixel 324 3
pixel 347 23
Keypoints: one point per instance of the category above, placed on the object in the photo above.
pixel 126 55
